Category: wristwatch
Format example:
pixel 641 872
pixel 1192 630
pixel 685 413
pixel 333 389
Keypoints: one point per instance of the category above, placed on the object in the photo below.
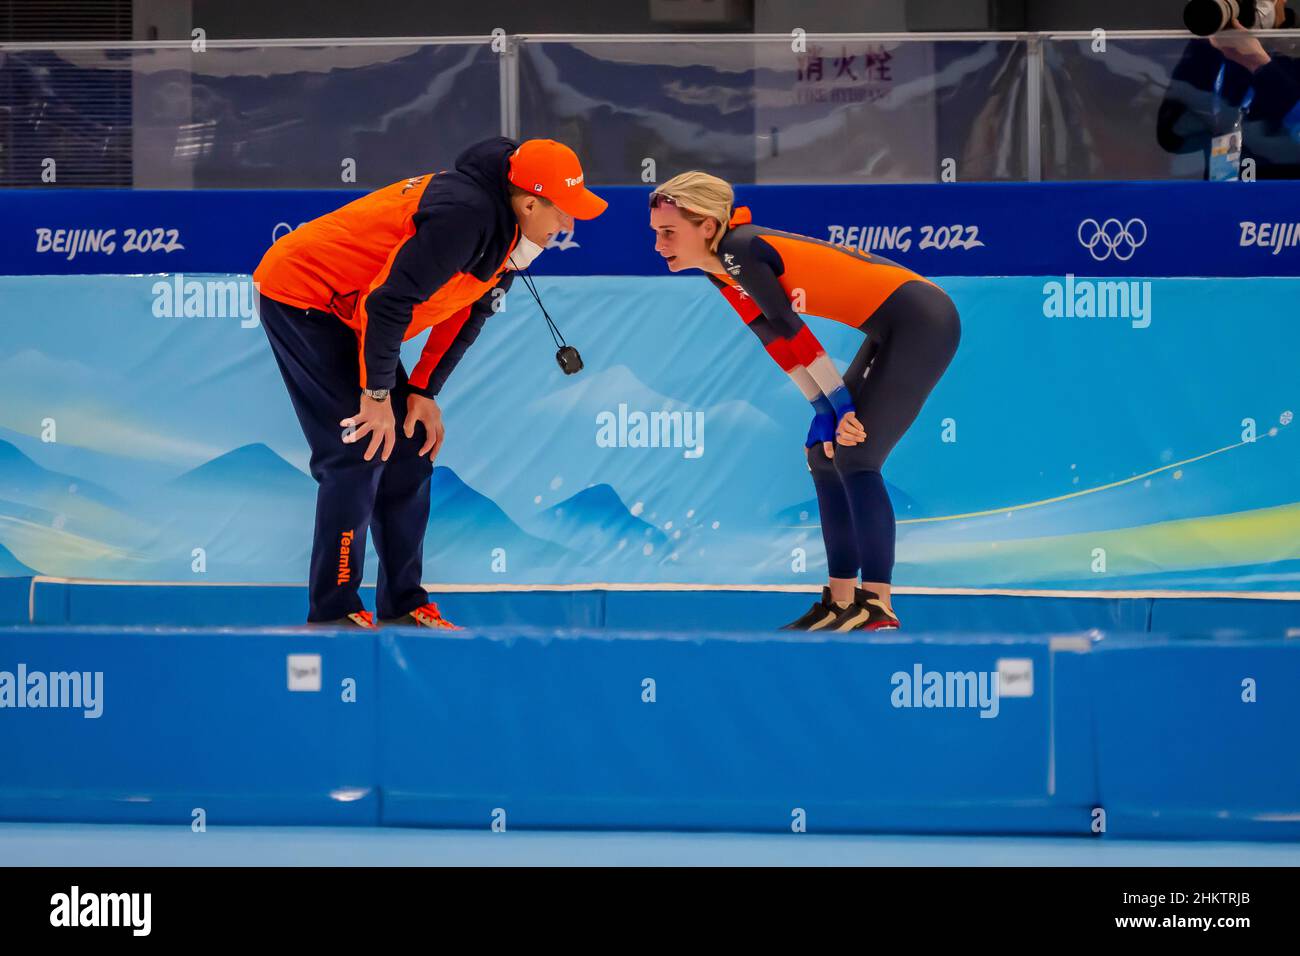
pixel 378 394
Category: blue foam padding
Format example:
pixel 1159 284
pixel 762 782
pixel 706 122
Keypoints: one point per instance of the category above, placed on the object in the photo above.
pixel 580 609
pixel 1021 615
pixel 921 613
pixel 192 719
pixel 745 729
pixel 235 605
pixel 551 727
pixel 1181 754
pixel 704 610
pixel 1207 616
pixel 14 593
pixel 135 605
pixel 1074 729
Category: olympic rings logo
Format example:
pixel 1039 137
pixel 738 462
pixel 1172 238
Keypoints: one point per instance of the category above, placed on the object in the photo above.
pixel 1112 238
pixel 282 229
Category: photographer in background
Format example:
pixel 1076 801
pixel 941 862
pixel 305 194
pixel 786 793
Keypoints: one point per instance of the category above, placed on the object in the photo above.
pixel 1231 101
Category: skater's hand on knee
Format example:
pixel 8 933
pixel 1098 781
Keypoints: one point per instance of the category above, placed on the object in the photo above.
pixel 822 430
pixel 376 420
pixel 850 431
pixel 426 412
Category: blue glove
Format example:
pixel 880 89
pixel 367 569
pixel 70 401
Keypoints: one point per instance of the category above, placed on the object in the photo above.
pixel 841 401
pixel 823 423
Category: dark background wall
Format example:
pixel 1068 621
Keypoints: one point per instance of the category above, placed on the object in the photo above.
pixel 251 18
pixel 38 20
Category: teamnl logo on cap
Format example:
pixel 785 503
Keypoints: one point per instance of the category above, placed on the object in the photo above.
pixel 551 170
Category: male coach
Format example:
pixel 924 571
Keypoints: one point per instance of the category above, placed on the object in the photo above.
pixel 340 294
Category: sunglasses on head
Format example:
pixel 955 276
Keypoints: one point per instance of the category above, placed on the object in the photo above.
pixel 661 199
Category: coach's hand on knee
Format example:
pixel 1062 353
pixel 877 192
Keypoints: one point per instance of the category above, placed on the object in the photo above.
pixel 427 412
pixel 850 430
pixel 376 420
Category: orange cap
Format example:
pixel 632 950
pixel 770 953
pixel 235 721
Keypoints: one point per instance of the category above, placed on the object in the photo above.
pixel 552 171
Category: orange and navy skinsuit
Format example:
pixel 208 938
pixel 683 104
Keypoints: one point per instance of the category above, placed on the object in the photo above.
pixel 423 253
pixel 911 331
pixel 768 272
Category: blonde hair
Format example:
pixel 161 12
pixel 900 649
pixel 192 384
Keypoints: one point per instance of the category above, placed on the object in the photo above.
pixel 699 196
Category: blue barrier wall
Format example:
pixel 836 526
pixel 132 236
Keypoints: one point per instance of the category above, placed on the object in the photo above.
pixel 740 733
pixel 1197 737
pixel 538 728
pixel 976 229
pixel 189 720
pixel 61 603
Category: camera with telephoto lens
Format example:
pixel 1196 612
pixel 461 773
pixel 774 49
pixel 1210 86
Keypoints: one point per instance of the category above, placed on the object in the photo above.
pixel 1207 17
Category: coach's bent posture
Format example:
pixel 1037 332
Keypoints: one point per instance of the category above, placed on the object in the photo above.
pixel 340 294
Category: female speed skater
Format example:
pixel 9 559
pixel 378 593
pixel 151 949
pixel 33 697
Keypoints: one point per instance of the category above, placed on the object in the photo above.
pixel 910 329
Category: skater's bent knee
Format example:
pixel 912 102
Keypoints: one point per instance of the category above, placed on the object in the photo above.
pixel 818 463
pixel 851 459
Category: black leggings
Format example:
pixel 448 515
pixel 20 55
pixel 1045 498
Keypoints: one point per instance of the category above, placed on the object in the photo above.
pixel 911 339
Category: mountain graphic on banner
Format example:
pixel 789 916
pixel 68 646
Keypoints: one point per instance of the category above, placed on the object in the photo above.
pixel 254 467
pixel 22 480
pixel 11 567
pixel 250 512
pixel 599 527
pixel 560 434
pixel 469 536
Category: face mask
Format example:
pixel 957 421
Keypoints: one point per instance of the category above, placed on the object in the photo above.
pixel 524 253
pixel 1265 11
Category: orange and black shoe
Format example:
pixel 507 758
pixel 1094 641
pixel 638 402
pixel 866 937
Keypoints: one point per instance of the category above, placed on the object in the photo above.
pixel 426 616
pixel 361 620
pixel 866 613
